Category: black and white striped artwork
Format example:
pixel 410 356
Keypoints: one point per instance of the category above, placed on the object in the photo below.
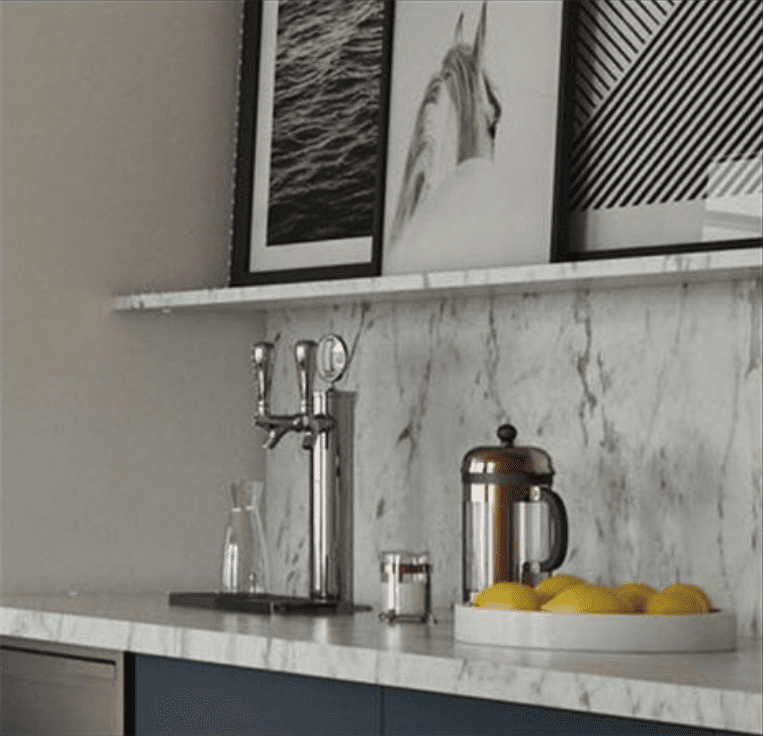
pixel 666 112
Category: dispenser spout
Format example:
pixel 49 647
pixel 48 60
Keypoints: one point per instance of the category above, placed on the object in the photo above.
pixel 274 436
pixel 314 426
pixel 277 427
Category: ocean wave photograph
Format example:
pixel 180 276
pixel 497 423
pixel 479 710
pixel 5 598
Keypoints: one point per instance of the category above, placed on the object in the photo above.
pixel 326 120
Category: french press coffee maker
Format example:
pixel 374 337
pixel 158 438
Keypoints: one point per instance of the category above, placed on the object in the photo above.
pixel 514 525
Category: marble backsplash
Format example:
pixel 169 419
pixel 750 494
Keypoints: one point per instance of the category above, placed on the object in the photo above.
pixel 648 400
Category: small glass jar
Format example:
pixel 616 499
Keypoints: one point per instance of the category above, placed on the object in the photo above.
pixel 405 586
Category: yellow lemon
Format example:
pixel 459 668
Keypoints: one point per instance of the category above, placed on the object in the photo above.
pixel 587 598
pixel 507 595
pixel 550 587
pixel 675 601
pixel 695 590
pixel 637 594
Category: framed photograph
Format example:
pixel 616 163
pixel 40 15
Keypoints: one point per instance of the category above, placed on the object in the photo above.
pixel 472 134
pixel 309 183
pixel 663 128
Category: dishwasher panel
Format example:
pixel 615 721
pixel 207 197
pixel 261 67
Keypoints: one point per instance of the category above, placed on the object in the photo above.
pixel 50 688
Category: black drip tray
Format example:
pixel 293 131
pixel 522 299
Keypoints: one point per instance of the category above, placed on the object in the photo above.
pixel 263 603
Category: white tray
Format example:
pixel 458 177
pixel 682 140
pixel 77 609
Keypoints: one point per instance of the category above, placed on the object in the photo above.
pixel 707 632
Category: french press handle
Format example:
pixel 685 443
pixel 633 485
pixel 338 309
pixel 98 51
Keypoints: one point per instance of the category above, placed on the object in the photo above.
pixel 559 517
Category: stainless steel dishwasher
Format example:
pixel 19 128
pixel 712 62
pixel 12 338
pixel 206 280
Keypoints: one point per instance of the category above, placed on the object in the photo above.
pixel 50 688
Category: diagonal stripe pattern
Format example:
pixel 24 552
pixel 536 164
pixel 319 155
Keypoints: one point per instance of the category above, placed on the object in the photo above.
pixel 610 34
pixel 664 92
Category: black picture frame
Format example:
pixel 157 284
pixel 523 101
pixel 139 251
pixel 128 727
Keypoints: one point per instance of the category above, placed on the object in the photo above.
pixel 632 140
pixel 308 232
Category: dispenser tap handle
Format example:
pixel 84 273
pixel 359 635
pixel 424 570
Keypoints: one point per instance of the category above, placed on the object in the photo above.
pixel 262 362
pixel 304 355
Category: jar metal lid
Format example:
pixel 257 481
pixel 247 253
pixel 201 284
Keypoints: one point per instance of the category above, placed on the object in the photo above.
pixel 398 561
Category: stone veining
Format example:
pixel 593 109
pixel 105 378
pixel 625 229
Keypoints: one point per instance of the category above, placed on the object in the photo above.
pixel 648 400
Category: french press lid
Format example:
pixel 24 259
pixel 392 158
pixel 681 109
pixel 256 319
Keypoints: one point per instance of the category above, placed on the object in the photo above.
pixel 507 464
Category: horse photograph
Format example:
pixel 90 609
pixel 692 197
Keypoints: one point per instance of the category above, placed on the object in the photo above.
pixel 471 134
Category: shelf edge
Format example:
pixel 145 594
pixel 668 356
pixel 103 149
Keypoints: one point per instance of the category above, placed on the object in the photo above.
pixel 623 272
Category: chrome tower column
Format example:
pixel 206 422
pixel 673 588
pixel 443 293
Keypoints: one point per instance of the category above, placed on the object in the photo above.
pixel 331 501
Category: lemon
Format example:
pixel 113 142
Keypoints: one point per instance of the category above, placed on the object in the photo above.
pixel 695 590
pixel 548 588
pixel 637 594
pixel 676 600
pixel 588 598
pixel 507 595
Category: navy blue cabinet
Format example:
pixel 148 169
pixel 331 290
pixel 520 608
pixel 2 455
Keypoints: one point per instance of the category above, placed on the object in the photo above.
pixel 174 696
pixel 412 712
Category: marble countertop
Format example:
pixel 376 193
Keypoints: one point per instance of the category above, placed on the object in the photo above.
pixel 715 690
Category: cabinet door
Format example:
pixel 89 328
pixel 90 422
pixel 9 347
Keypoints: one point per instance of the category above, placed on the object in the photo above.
pixel 181 696
pixel 413 712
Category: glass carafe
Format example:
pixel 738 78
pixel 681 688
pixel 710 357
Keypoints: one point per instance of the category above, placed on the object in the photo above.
pixel 245 561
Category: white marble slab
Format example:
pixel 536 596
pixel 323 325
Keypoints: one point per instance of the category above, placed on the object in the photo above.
pixel 648 400
pixel 712 265
pixel 721 690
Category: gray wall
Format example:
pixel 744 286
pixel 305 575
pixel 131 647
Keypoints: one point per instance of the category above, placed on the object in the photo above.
pixel 120 433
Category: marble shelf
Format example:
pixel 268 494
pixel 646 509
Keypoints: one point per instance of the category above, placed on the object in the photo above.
pixel 711 690
pixel 594 274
